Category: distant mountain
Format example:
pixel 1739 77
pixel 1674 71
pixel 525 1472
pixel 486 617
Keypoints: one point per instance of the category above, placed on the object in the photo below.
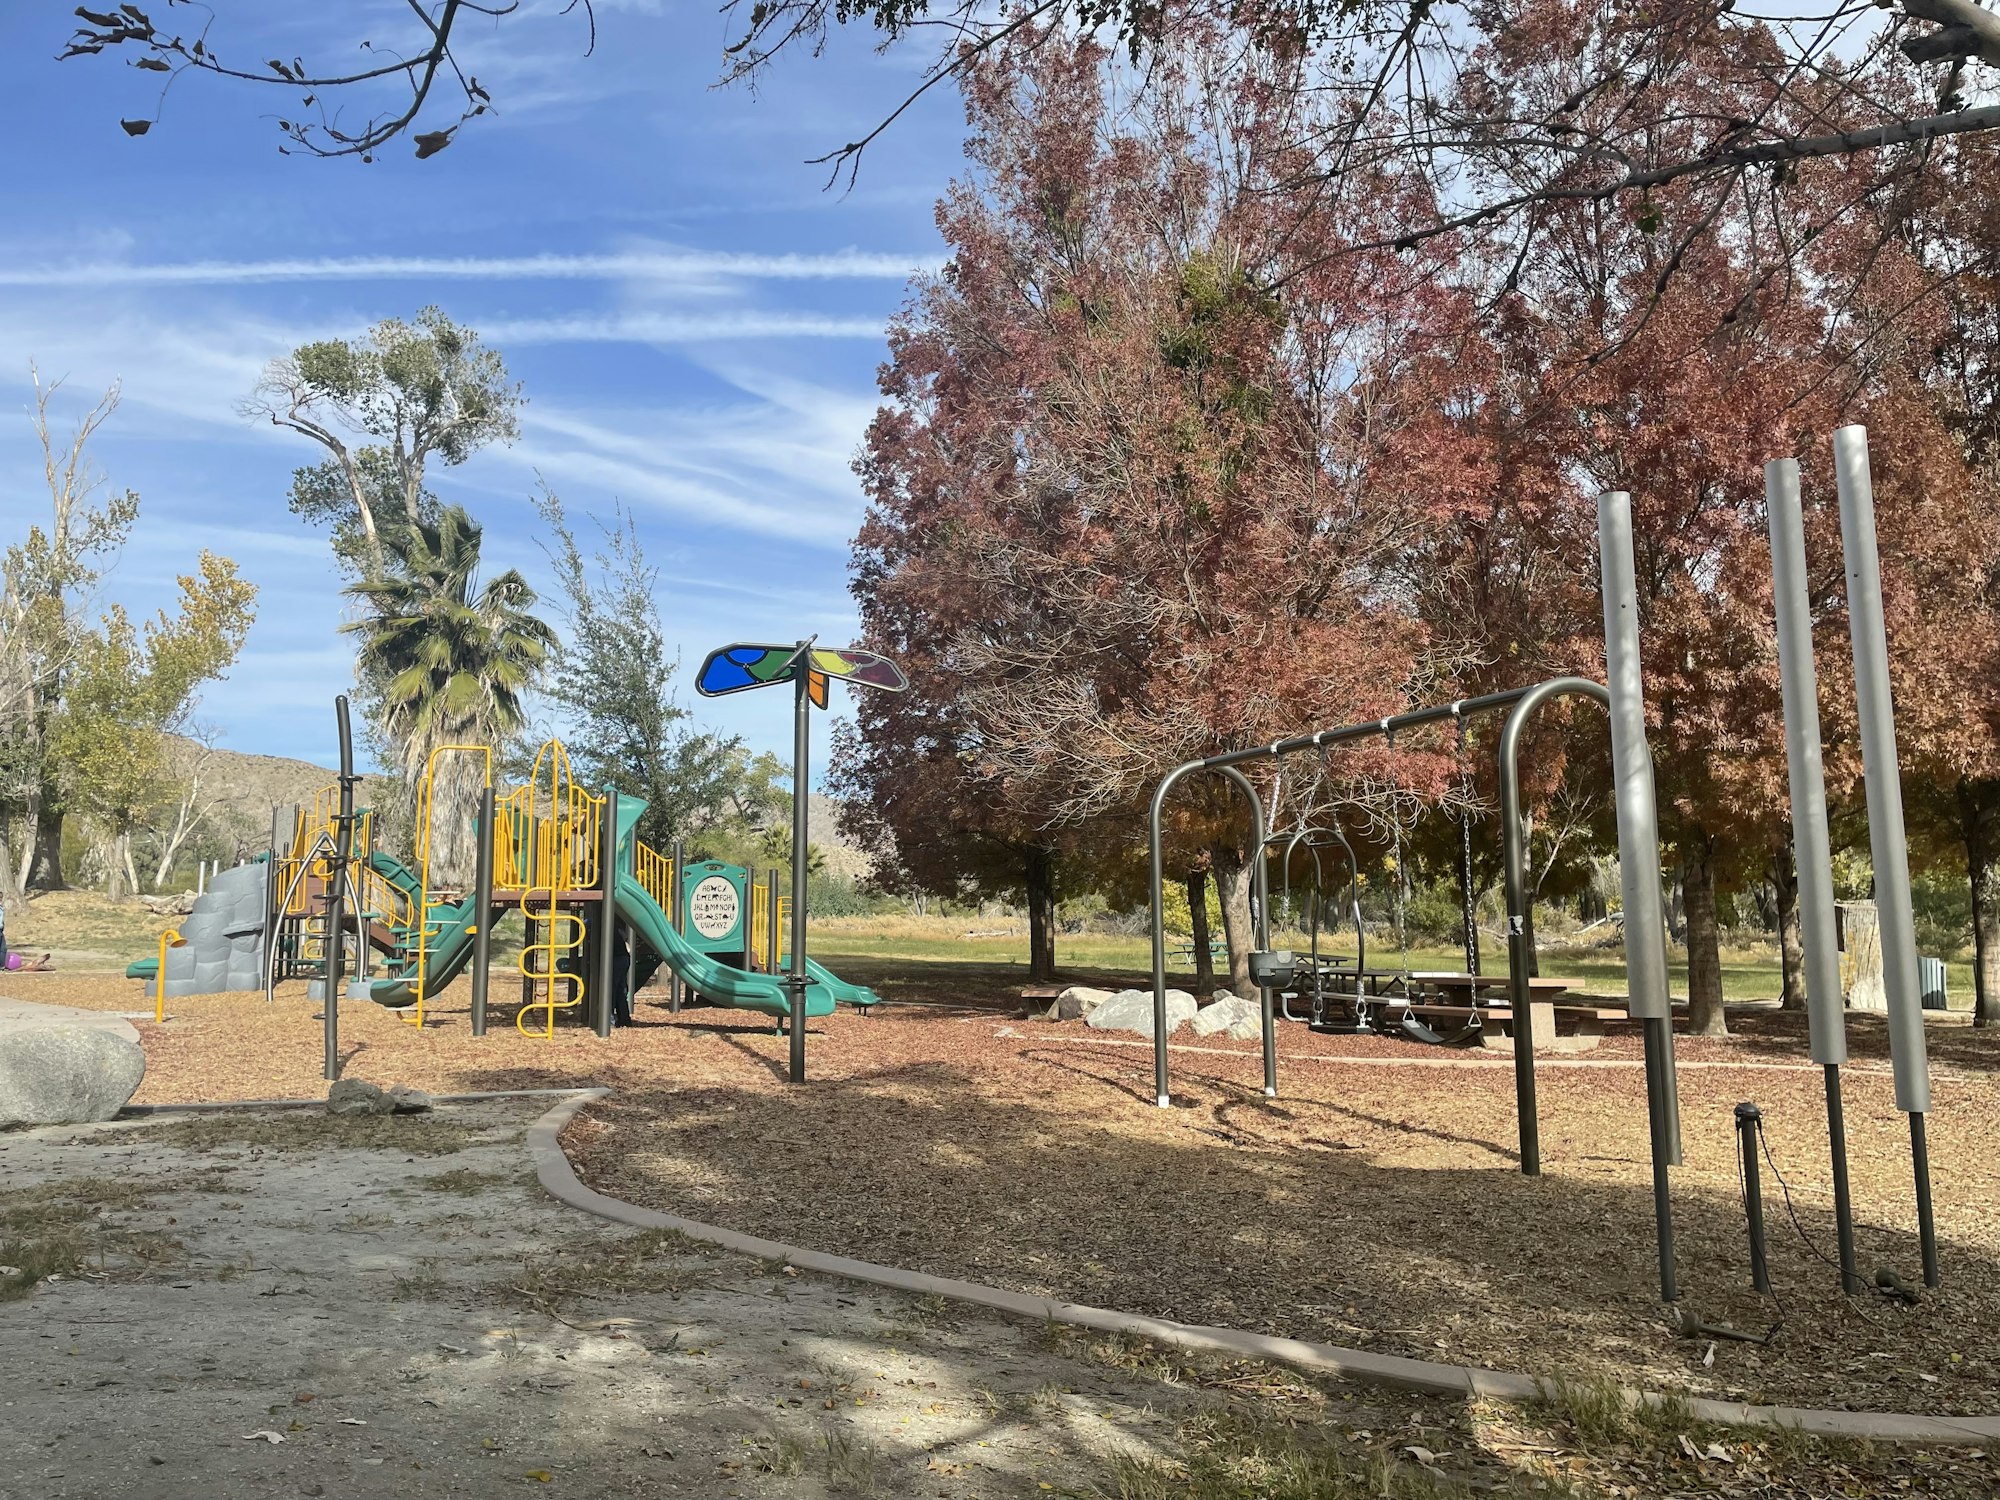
pixel 844 860
pixel 251 785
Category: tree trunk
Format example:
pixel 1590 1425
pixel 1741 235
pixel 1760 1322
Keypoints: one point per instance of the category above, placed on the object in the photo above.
pixel 1232 884
pixel 1204 961
pixel 114 870
pixel 10 887
pixel 362 508
pixel 1791 948
pixel 1979 811
pixel 1705 1014
pixel 17 875
pixel 45 870
pixel 1039 870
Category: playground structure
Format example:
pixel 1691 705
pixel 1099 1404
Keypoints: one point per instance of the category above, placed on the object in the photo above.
pixel 560 854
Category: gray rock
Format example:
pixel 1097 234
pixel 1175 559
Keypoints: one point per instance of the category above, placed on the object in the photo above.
pixel 408 1101
pixel 1223 995
pixel 1132 1010
pixel 356 1096
pixel 1232 1016
pixel 1077 1002
pixel 66 1075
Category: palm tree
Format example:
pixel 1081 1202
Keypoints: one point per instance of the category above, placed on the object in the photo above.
pixel 451 660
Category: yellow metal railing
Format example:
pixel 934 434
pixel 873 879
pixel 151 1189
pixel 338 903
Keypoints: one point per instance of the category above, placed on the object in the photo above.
pixel 548 840
pixel 761 926
pixel 373 891
pixel 426 929
pixel 550 831
pixel 171 938
pixel 655 873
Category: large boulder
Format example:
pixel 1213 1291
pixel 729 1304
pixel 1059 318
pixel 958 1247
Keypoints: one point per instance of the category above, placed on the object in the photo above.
pixel 1132 1010
pixel 1077 1002
pixel 357 1096
pixel 66 1075
pixel 1232 1016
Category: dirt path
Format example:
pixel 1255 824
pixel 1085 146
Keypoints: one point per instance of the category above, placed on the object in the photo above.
pixel 414 1316
pixel 261 1305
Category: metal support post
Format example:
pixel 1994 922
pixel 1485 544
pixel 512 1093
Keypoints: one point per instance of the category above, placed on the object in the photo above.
pixel 1258 840
pixel 1811 846
pixel 1888 845
pixel 336 895
pixel 482 910
pixel 801 750
pixel 1749 1128
pixel 677 889
pixel 607 912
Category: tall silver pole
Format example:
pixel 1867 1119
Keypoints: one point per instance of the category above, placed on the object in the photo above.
pixel 1811 846
pixel 1632 765
pixel 1887 841
pixel 1812 849
pixel 1886 838
pixel 1650 1001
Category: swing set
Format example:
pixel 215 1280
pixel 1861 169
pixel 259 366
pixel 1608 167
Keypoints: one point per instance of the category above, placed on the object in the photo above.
pixel 1348 999
pixel 1274 970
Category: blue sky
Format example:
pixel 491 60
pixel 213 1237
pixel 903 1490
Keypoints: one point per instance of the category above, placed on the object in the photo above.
pixel 696 322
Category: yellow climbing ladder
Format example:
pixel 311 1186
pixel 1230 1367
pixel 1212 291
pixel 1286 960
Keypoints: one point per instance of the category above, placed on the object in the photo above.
pixel 550 847
pixel 557 933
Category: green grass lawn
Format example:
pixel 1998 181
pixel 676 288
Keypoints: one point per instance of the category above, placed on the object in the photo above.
pixel 1747 974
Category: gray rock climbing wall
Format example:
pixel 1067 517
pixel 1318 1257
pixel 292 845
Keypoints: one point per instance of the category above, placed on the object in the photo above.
pixel 223 937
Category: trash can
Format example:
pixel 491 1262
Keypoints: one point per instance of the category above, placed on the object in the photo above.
pixel 1930 982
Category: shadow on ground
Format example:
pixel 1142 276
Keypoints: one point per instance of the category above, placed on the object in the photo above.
pixel 1281 1217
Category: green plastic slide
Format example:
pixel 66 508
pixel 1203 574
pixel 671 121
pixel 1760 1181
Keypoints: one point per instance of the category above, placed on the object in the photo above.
pixel 446 953
pixel 718 983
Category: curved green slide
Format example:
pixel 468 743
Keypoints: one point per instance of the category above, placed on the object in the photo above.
pixel 446 953
pixel 719 983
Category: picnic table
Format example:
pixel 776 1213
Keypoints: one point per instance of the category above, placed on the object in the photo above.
pixel 1478 1001
pixel 1418 1003
pixel 1470 988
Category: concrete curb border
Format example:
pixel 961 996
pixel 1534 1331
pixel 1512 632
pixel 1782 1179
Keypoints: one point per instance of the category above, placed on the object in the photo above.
pixel 219 1106
pixel 558 1177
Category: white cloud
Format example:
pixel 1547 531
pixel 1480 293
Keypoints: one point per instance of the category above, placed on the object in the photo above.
pixel 671 328
pixel 776 463
pixel 672 265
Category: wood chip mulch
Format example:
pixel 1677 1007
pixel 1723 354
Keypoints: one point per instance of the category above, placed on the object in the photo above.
pixel 1376 1203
